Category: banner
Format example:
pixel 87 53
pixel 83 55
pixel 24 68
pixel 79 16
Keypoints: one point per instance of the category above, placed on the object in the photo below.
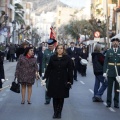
pixel 52 33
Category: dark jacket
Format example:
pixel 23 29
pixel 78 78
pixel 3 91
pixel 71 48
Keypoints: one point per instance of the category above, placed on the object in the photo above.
pixel 2 75
pixel 73 53
pixel 58 73
pixel 98 61
pixel 114 58
pixel 19 51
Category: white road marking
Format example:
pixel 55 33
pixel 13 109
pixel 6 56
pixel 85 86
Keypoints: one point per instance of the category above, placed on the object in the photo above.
pixel 110 108
pixel 91 91
pixel 82 82
pixel 105 103
pixel 1 99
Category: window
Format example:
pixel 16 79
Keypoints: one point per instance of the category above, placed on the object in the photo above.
pixel 59 21
pixel 59 13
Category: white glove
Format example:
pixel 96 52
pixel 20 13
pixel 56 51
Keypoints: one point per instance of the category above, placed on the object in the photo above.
pixel 43 83
pixel 105 75
pixel 3 80
pixel 42 74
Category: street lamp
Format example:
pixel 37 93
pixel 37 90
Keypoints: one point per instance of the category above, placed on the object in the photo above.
pixel 14 27
pixel 103 30
pixel 99 23
pixel 85 29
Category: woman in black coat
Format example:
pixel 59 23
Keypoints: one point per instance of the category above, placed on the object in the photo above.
pixel 60 75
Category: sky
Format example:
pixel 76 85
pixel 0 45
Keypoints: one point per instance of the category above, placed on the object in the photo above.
pixel 77 3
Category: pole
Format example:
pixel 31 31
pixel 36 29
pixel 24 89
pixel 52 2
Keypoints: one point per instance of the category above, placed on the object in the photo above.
pixel 85 35
pixel 107 24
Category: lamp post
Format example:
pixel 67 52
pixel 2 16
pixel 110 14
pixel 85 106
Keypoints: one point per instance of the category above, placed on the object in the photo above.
pixel 103 30
pixel 85 30
pixel 14 28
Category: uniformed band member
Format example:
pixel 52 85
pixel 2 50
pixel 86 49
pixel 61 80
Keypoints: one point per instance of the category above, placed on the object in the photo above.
pixel 46 57
pixel 112 58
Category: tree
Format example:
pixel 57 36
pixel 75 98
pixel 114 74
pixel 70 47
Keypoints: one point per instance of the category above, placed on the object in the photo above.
pixel 97 9
pixel 114 1
pixel 19 14
pixel 75 28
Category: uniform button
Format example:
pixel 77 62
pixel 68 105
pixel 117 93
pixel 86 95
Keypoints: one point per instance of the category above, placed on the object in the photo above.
pixel 115 59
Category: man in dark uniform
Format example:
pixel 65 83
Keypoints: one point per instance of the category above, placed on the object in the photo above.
pixel 2 75
pixel 112 58
pixel 73 53
pixel 46 57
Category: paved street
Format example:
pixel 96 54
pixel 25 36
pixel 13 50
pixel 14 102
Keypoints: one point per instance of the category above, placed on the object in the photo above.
pixel 78 107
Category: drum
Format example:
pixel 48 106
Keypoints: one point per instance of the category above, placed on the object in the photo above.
pixel 84 62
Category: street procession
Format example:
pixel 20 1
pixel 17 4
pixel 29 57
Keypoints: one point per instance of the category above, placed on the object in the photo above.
pixel 59 59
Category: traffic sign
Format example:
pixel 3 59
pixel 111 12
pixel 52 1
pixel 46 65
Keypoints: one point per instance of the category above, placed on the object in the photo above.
pixel 97 34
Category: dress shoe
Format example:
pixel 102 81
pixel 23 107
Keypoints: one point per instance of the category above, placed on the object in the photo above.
pixel 59 115
pixel 116 106
pixel 29 102
pixel 55 115
pixel 108 105
pixel 46 103
pixel 75 79
pixel 94 99
pixel 23 102
pixel 99 99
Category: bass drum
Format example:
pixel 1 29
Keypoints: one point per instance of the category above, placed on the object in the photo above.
pixel 84 62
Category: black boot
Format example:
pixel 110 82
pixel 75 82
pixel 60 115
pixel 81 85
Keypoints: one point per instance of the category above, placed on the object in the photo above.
pixel 60 106
pixel 55 108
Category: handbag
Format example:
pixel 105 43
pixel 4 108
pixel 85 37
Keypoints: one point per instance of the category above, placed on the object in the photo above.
pixel 15 87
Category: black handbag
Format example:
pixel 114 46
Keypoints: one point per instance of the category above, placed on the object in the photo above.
pixel 15 87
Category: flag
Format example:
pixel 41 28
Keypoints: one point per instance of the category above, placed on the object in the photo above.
pixel 52 33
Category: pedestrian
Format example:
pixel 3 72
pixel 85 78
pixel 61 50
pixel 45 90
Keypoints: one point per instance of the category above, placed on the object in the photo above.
pixel 20 50
pixel 26 72
pixel 46 57
pixel 60 75
pixel 112 58
pixel 72 51
pixel 39 59
pixel 98 61
pixel 12 51
pixel 2 75
pixel 83 53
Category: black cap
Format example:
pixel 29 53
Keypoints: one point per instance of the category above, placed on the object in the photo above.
pixel 115 39
pixel 51 41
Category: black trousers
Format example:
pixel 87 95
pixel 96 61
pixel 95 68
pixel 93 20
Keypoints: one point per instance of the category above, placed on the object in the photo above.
pixel 112 81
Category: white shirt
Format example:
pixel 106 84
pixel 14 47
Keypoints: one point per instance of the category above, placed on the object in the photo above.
pixel 114 49
pixel 72 48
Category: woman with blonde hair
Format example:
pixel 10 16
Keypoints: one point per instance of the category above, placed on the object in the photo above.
pixel 60 75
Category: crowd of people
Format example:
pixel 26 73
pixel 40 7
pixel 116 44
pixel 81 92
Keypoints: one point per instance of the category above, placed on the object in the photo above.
pixel 58 65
